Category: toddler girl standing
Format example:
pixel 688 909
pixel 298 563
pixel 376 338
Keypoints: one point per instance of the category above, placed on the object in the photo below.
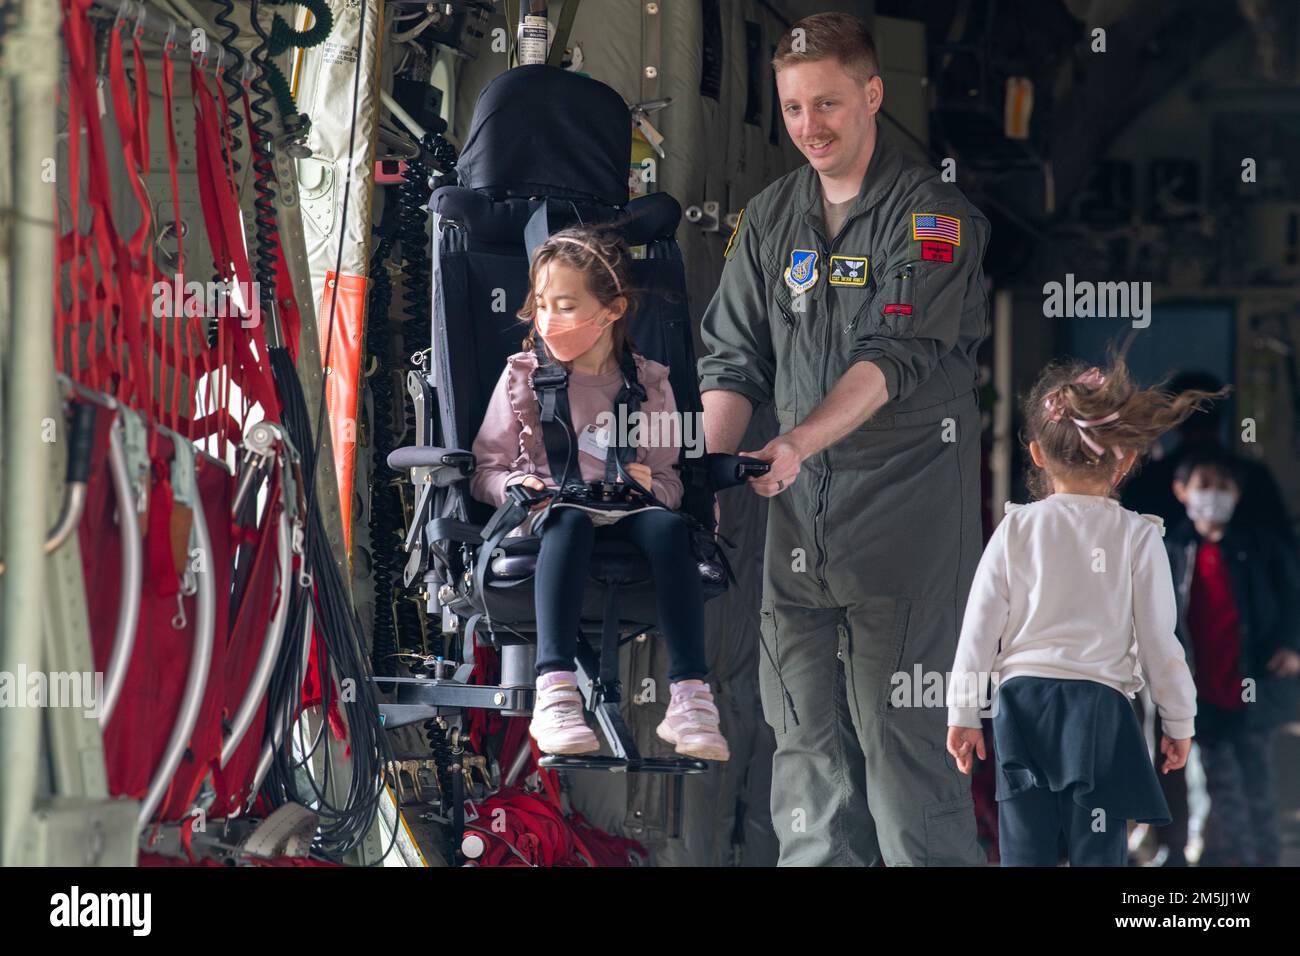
pixel 1072 596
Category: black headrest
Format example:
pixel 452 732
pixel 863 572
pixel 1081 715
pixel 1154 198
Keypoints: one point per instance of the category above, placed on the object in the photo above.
pixel 539 130
pixel 645 219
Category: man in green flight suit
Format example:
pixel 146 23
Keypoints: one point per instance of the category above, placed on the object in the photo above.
pixel 852 298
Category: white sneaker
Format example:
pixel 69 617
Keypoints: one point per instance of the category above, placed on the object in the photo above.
pixel 558 724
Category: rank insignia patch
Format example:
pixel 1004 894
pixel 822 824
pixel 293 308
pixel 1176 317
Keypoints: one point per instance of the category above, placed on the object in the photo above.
pixel 936 251
pixel 734 233
pixel 801 275
pixel 927 225
pixel 848 270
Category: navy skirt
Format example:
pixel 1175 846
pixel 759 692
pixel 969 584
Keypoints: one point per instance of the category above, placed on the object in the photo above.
pixel 1076 735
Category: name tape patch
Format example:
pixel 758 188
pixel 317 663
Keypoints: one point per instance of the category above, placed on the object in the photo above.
pixel 936 251
pixel 848 270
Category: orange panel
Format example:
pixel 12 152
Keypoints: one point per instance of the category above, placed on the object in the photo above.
pixel 342 378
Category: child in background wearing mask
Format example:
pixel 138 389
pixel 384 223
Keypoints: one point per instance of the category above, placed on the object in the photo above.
pixel 1073 591
pixel 579 294
pixel 1238 590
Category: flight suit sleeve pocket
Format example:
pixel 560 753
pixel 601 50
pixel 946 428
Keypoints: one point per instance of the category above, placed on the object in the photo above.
pixel 769 676
pixel 894 308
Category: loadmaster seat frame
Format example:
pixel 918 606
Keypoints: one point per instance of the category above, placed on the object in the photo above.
pixel 515 190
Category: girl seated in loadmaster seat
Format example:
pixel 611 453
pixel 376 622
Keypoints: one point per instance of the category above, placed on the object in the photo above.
pixel 579 295
pixel 1073 593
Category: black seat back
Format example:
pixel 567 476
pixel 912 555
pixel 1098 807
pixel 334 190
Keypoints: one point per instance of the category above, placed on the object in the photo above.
pixel 574 159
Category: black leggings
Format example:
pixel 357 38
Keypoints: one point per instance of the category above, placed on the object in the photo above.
pixel 561 578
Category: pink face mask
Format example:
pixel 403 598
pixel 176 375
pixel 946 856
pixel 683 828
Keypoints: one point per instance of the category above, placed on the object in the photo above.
pixel 568 338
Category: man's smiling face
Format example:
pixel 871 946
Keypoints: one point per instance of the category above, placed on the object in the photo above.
pixel 829 115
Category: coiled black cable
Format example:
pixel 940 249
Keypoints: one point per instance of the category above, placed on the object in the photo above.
pixel 444 159
pixel 264 220
pixel 440 749
pixel 231 76
pixel 386 517
pixel 397 623
pixel 413 235
pixel 281 38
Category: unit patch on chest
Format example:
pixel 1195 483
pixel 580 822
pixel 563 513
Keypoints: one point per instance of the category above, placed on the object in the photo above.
pixel 848 270
pixel 801 275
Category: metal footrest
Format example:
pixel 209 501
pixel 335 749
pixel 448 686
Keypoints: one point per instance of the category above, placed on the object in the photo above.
pixel 673 765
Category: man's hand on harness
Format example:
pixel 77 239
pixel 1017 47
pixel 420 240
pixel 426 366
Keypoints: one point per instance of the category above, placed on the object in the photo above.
pixel 785 456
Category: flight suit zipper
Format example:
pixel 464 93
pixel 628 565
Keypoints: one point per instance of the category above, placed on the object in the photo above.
pixel 819 516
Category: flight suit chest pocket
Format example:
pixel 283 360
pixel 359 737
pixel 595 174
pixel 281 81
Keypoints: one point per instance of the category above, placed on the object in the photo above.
pixel 789 322
pixel 785 318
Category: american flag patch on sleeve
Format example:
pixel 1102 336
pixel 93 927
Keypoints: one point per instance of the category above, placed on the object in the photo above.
pixel 927 225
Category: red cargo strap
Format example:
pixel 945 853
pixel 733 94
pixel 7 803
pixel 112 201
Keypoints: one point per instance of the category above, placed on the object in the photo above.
pixel 136 268
pixel 173 325
pixel 101 296
pixel 221 211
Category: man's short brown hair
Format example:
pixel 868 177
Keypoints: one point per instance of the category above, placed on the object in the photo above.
pixel 839 36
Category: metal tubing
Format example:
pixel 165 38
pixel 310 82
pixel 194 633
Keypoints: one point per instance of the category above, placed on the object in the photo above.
pixel 128 605
pixel 197 680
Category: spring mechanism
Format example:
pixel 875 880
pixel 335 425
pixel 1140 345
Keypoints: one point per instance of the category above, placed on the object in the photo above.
pixel 440 748
pixel 413 234
pixel 444 159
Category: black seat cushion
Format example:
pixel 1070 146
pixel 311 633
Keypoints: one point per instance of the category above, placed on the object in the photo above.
pixel 611 562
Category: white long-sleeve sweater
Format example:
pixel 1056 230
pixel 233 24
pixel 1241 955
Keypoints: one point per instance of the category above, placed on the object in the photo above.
pixel 1074 587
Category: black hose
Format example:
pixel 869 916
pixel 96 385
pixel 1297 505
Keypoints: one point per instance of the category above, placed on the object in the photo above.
pixel 343 823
